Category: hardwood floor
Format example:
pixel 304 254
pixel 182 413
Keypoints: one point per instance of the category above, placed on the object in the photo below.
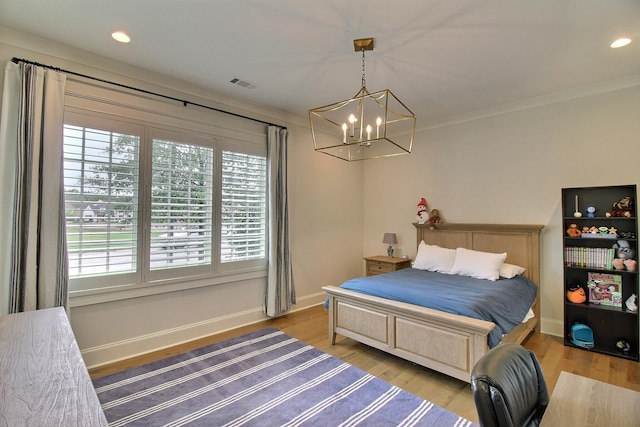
pixel 310 326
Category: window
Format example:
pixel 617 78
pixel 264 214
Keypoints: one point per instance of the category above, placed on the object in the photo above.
pixel 148 204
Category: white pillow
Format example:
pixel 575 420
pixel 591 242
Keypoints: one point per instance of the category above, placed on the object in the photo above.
pixel 434 258
pixel 530 314
pixel 481 265
pixel 509 271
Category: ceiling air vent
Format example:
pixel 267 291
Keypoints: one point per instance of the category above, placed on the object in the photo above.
pixel 242 83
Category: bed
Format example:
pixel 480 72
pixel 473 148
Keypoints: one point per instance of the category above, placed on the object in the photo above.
pixel 445 342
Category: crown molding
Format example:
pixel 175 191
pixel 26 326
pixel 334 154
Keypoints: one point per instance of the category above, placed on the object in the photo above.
pixel 538 101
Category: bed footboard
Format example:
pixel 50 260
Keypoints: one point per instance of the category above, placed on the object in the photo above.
pixel 444 342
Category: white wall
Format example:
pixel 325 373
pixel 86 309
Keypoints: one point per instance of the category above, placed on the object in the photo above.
pixel 325 213
pixel 509 168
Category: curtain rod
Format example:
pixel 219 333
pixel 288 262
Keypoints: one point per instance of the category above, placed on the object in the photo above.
pixel 183 101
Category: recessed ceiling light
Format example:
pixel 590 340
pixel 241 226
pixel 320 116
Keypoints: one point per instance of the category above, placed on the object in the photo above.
pixel 623 41
pixel 121 37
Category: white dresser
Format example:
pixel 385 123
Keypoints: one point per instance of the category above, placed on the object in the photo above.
pixel 43 379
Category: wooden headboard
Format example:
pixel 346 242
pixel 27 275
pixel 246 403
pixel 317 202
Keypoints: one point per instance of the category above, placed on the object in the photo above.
pixel 521 242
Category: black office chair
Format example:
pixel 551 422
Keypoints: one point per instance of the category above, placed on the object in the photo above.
pixel 509 388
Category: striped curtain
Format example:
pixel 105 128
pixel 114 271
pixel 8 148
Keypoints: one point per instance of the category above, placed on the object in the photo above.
pixel 280 293
pixel 33 250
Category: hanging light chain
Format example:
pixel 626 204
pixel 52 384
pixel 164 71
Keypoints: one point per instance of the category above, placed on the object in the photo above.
pixel 363 80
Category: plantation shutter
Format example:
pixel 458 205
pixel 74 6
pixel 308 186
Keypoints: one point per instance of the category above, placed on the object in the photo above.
pixel 181 205
pixel 244 211
pixel 101 193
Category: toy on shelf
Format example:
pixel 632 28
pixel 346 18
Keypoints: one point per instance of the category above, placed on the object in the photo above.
pixel 591 211
pixel 627 234
pixel 577 212
pixel 423 214
pixel 632 303
pixel 576 295
pixel 625 256
pixel 434 218
pixel 582 335
pixel 605 289
pixel 574 231
pixel 623 345
pixel 623 208
pixel 595 232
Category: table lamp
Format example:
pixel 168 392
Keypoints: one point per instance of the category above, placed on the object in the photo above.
pixel 390 239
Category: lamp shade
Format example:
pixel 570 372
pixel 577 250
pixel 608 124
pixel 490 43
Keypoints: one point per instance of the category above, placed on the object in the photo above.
pixel 390 238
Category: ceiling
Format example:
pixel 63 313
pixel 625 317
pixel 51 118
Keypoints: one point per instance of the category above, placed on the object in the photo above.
pixel 441 58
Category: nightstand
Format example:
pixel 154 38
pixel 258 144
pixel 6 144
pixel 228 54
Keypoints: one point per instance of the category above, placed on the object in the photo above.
pixel 383 264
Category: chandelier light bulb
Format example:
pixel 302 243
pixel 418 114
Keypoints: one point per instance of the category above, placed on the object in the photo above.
pixel 352 121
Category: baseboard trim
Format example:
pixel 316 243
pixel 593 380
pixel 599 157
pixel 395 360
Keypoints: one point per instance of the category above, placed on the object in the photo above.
pixel 117 351
pixel 126 349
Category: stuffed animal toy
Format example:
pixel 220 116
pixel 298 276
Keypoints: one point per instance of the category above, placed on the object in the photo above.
pixel 574 231
pixel 624 208
pixel 423 214
pixel 576 295
pixel 625 256
pixel 434 218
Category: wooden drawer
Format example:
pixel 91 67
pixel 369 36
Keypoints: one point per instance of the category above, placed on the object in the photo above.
pixel 382 264
pixel 377 267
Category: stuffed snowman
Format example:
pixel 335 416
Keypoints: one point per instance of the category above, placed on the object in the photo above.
pixel 423 214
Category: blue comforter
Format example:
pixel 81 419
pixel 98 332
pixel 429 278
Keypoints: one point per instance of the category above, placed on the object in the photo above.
pixel 504 302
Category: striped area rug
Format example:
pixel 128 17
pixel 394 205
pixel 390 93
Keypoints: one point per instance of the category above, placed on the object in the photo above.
pixel 265 378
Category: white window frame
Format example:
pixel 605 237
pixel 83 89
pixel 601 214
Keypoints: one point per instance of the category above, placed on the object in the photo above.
pixel 107 280
pixel 156 119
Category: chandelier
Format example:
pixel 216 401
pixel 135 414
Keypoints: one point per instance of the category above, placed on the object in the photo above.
pixel 367 126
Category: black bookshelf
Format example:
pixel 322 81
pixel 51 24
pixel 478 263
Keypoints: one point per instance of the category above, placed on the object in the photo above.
pixel 589 263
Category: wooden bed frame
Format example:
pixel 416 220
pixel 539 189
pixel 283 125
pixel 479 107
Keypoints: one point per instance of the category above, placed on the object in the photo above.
pixel 447 343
